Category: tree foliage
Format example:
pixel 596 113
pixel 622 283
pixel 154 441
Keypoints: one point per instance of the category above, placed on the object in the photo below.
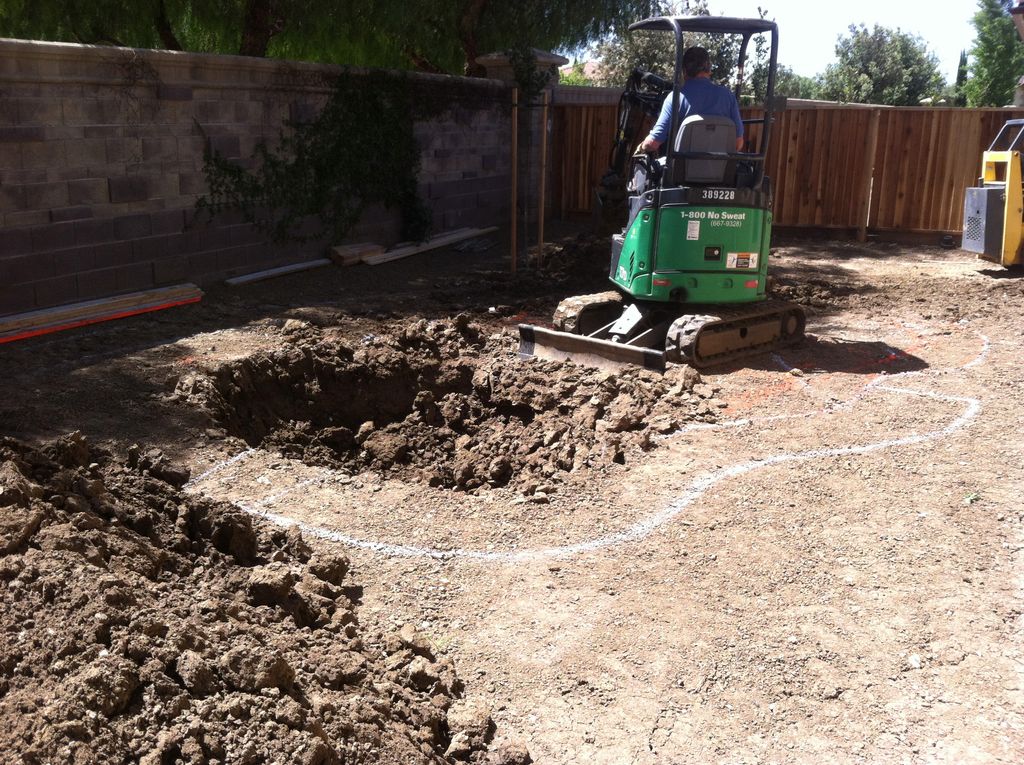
pixel 576 75
pixel 440 36
pixel 957 93
pixel 997 57
pixel 881 66
pixel 789 83
pixel 655 51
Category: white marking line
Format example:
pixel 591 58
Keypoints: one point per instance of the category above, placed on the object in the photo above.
pixel 285 492
pixel 645 528
pixel 219 466
pixel 786 367
pixel 983 356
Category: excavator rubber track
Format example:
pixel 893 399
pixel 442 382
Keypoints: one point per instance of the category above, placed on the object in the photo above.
pixel 728 333
pixel 704 337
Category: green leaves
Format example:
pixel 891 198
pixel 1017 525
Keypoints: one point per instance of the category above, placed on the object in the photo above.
pixel 331 168
pixel 440 36
pixel 655 52
pixel 997 57
pixel 881 66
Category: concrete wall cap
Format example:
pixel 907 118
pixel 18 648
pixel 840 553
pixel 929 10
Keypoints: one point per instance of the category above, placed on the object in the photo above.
pixel 544 58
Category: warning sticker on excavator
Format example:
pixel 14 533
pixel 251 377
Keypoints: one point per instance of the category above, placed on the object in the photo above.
pixel 741 260
pixel 692 230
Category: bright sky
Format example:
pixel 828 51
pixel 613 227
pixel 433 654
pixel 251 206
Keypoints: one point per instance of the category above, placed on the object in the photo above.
pixel 808 30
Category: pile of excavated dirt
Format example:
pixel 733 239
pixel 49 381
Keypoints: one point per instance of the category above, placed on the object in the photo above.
pixel 572 265
pixel 585 256
pixel 815 293
pixel 140 624
pixel 437 401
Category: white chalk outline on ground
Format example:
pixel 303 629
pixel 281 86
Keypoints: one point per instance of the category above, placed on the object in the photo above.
pixel 644 528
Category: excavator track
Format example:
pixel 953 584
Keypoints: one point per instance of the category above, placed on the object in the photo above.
pixel 734 332
pixel 717 335
pixel 584 314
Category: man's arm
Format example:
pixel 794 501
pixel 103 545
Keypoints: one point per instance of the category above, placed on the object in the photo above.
pixel 659 132
pixel 739 123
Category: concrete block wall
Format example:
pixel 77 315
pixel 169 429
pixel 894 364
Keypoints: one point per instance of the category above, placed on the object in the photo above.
pixel 101 153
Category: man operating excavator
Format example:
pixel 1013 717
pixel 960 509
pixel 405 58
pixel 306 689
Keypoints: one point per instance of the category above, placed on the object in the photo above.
pixel 699 95
pixel 690 267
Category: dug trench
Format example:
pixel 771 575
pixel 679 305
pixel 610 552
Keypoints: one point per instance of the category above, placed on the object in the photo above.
pixel 444 404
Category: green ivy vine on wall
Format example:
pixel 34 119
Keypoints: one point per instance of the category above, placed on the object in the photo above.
pixel 530 79
pixel 358 151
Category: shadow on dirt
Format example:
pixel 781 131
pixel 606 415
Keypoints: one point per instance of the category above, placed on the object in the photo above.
pixel 818 354
pixel 1014 273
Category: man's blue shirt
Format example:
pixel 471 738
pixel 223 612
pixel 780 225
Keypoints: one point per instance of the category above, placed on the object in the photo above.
pixel 698 96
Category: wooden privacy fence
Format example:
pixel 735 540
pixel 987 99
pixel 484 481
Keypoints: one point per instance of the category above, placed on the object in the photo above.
pixel 879 169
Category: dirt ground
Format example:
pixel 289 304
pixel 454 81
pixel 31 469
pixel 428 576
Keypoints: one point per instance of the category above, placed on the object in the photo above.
pixel 812 556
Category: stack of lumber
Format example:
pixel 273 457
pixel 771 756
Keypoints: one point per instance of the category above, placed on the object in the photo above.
pixel 24 325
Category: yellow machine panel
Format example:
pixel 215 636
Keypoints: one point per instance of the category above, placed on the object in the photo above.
pixel 994 210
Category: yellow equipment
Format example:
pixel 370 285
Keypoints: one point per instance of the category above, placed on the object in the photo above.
pixel 994 210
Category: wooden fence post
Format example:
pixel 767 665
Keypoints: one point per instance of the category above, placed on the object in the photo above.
pixel 514 244
pixel 867 176
pixel 543 176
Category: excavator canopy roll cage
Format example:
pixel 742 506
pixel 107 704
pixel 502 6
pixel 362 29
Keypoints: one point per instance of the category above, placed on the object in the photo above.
pixel 725 25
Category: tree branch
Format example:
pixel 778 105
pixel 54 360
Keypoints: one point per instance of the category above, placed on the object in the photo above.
pixel 163 28
pixel 467 36
pixel 262 21
pixel 422 63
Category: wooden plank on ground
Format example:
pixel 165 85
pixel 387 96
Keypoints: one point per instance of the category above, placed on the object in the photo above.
pixel 89 308
pixel 350 254
pixel 270 273
pixel 43 321
pixel 441 240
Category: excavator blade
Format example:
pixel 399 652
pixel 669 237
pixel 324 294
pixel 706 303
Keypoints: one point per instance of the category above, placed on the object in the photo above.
pixel 589 351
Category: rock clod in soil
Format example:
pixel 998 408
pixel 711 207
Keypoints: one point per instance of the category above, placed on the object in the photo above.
pixel 439 402
pixel 140 624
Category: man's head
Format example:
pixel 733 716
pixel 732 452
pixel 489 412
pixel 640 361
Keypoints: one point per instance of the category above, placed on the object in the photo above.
pixel 696 61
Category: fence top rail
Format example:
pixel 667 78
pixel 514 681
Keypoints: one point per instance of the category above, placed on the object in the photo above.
pixel 68 58
pixel 584 95
pixel 807 103
pixel 589 95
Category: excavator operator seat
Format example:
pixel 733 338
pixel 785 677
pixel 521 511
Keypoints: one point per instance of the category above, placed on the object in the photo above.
pixel 711 134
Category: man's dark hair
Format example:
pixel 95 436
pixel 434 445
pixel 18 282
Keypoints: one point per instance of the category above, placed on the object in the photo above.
pixel 695 61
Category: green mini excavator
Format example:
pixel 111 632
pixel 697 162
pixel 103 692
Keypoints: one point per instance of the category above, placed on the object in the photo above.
pixel 690 267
